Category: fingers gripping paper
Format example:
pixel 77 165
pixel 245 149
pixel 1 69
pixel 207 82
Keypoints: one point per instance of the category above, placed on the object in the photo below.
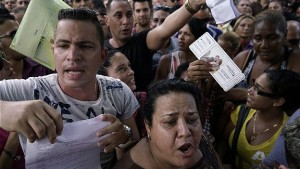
pixel 226 72
pixel 35 33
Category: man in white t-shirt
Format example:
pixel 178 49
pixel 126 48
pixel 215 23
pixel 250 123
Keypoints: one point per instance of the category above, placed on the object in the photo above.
pixel 38 107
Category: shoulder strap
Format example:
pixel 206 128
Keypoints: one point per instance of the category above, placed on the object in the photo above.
pixel 243 113
pixel 250 53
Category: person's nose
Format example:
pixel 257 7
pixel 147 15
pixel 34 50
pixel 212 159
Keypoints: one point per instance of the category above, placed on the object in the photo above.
pixel 183 129
pixel 264 43
pixel 130 72
pixel 126 20
pixel 74 54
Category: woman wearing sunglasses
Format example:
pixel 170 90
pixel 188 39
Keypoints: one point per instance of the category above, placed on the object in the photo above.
pixel 274 94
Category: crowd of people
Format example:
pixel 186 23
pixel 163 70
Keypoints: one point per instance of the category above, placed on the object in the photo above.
pixel 128 62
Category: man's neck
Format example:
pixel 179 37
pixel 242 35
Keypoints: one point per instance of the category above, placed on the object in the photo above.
pixel 88 93
pixel 142 28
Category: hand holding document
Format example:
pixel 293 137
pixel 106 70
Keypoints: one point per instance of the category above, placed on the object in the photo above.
pixel 35 33
pixel 76 148
pixel 225 71
pixel 222 10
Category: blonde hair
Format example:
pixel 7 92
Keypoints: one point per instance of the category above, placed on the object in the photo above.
pixel 239 20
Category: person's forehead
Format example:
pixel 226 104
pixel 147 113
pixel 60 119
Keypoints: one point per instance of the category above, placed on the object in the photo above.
pixel 119 6
pixel 76 28
pixel 242 2
pixel 160 13
pixel 141 4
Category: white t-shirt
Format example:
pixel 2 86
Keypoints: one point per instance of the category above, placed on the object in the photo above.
pixel 115 97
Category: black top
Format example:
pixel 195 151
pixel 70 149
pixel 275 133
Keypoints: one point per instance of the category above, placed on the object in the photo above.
pixel 140 57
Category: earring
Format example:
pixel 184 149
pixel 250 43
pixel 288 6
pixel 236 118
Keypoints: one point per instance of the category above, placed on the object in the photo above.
pixel 149 136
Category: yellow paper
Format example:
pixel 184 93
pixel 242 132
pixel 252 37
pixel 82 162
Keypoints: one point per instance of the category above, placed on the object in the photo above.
pixel 35 34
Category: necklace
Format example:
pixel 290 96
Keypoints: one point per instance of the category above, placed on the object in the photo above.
pixel 253 137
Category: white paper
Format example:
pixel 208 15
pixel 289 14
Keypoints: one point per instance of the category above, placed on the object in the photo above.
pixel 222 10
pixel 226 72
pixel 76 148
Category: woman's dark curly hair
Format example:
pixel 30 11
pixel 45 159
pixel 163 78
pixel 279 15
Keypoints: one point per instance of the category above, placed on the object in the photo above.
pixel 285 84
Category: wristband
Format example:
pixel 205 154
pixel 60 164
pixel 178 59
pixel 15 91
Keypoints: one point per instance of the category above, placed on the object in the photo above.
pixel 189 8
pixel 12 156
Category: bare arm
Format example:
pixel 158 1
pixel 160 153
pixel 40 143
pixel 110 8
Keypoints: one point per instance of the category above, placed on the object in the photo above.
pixel 163 68
pixel 175 21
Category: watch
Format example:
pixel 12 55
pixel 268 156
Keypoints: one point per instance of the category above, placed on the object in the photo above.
pixel 128 131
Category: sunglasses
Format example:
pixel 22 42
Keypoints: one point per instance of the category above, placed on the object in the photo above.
pixel 163 8
pixel 9 35
pixel 262 93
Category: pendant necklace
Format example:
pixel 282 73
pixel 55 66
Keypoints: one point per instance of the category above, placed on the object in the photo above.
pixel 253 137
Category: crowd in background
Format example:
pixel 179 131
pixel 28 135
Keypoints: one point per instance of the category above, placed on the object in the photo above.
pixel 253 125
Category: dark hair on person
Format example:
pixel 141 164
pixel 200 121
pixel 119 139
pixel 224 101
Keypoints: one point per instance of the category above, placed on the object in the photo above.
pixel 149 2
pixel 108 5
pixel 285 84
pixel 181 68
pixel 107 62
pixel 5 16
pixel 84 15
pixel 197 27
pixel 100 8
pixel 165 87
pixel 291 134
pixel 271 17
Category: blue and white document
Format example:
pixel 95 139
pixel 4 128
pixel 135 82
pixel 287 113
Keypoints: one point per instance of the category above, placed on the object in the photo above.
pixel 225 71
pixel 76 148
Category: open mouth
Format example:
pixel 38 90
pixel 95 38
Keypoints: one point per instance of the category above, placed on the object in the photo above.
pixel 185 147
pixel 74 71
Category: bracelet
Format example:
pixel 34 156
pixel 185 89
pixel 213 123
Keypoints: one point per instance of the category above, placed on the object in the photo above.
pixel 189 8
pixel 12 156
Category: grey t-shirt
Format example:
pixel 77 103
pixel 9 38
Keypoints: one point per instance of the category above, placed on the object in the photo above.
pixel 115 98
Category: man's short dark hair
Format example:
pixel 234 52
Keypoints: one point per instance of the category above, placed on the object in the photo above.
pixel 149 2
pixel 85 15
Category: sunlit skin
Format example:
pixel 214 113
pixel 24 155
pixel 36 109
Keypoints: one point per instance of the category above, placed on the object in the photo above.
pixel 268 40
pixel 120 69
pixel 256 101
pixel 9 4
pixel 78 55
pixel 244 28
pixel 23 3
pixel 275 6
pixel 244 7
pixel 142 13
pixel 120 22
pixel 159 17
pixel 176 118
pixel 82 4
pixel 185 38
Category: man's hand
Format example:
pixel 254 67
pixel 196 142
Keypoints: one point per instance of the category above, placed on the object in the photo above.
pixel 117 134
pixel 34 119
pixel 198 70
